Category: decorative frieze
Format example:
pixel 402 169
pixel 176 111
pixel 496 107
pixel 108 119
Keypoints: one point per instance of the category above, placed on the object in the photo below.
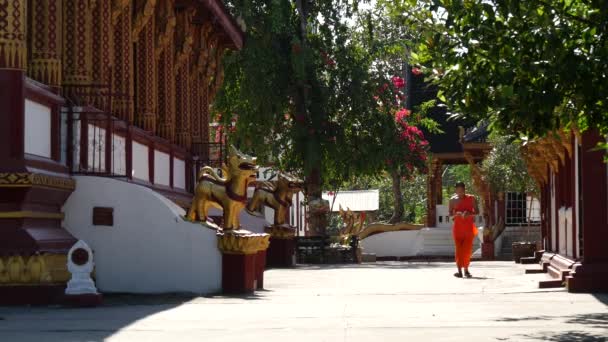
pixel 34 269
pixel 26 179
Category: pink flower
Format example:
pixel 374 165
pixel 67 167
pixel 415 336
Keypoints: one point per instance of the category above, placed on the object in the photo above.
pixel 401 114
pixel 423 157
pixel 300 118
pixel 416 71
pixel 398 82
pixel 413 130
pixel 412 147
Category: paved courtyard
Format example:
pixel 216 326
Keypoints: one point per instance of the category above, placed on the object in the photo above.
pixel 386 301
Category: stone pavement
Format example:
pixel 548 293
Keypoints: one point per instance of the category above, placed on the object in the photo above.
pixel 385 301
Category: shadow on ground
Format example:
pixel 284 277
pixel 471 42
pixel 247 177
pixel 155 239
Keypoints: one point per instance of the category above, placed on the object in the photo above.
pixel 118 312
pixel 596 321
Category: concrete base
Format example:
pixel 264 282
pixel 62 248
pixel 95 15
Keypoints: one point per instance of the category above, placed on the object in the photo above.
pixel 31 294
pixel 238 273
pixel 281 252
pixel 83 300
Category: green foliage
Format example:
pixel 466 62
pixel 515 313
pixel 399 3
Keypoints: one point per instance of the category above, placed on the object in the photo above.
pixel 530 66
pixel 413 190
pixel 505 169
pixel 453 174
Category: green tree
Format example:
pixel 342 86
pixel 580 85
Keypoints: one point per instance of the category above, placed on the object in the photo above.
pixel 504 168
pixel 530 66
pixel 308 92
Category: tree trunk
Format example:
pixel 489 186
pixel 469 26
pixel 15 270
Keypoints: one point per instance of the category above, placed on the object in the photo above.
pixel 398 197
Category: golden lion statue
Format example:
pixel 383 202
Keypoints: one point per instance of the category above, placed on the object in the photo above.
pixel 276 195
pixel 229 194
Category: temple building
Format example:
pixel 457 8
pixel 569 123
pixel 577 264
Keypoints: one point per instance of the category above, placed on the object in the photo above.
pixel 96 96
pixel 573 179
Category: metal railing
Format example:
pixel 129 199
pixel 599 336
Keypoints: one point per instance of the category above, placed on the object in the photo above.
pixel 521 209
pixel 97 143
pixel 208 154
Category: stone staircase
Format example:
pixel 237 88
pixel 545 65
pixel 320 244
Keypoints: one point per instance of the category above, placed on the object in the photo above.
pixel 515 234
pixel 438 242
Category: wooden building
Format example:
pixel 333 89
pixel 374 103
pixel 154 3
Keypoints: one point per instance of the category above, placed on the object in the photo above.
pixel 573 179
pixel 116 88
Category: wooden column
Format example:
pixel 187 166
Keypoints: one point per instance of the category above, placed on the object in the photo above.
pixel 164 51
pixel 77 50
pixel 144 33
pixel 45 42
pixel 13 57
pixel 591 274
pixel 102 57
pixel 122 79
pixel 184 45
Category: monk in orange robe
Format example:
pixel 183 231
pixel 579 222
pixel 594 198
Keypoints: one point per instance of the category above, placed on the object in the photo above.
pixel 463 209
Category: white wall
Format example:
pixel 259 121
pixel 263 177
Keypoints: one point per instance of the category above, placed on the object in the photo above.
pixel 179 173
pixel 565 231
pixel 37 138
pixel 140 161
pixel 408 243
pixel 150 248
pixel 554 244
pixel 394 244
pixel 162 168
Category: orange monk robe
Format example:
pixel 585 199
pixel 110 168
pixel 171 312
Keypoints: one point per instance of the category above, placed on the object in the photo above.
pixel 464 231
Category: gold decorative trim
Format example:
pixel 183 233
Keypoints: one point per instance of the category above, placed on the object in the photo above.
pixel 281 232
pixel 242 242
pixel 34 269
pixel 30 214
pixel 26 179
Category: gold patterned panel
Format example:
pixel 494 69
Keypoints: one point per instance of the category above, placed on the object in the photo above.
pixel 280 232
pixel 30 214
pixel 45 41
pixel 34 269
pixel 13 46
pixel 35 179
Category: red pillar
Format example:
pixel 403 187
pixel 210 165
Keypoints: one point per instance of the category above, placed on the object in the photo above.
pixel 238 273
pixel 591 273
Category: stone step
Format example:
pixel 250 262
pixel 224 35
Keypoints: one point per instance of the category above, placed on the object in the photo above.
pixel 550 284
